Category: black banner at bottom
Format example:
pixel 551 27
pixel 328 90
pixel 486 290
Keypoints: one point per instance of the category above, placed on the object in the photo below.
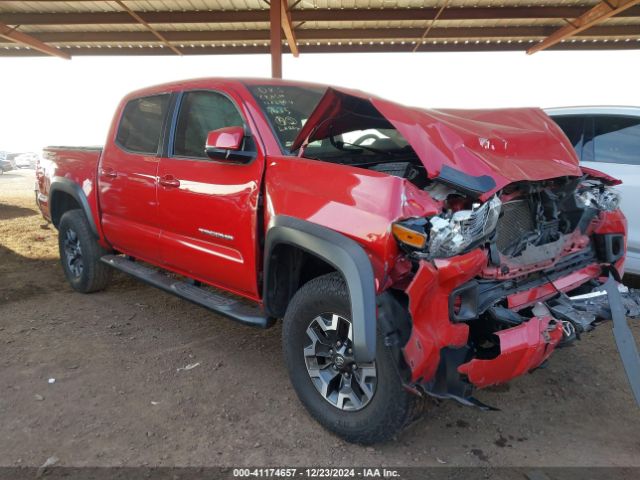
pixel 310 473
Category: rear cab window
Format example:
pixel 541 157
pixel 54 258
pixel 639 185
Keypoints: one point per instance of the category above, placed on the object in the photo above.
pixel 140 126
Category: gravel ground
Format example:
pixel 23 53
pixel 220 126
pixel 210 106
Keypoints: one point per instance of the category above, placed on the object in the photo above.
pixel 121 395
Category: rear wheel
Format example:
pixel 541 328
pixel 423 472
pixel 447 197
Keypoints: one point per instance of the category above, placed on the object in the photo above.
pixel 362 403
pixel 80 254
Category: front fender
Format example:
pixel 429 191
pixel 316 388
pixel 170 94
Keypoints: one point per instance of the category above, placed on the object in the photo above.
pixel 348 258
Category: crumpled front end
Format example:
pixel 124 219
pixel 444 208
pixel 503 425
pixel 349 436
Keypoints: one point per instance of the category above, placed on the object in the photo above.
pixel 449 358
pixel 476 292
pixel 522 349
pixel 496 312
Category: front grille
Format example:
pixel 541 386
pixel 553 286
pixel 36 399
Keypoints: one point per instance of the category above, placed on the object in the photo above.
pixel 516 220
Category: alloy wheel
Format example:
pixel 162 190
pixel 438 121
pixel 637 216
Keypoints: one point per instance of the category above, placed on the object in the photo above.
pixel 334 372
pixel 73 253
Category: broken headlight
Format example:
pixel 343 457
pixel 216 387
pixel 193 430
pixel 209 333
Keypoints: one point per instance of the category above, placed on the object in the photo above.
pixel 451 234
pixel 599 197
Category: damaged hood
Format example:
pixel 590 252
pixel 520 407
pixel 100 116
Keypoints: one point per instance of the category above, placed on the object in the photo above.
pixel 477 151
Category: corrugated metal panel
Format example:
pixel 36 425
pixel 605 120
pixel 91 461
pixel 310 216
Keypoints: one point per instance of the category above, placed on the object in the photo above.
pixel 133 27
pixel 186 5
pixel 622 21
pixel 439 23
pixel 211 26
pixel 54 7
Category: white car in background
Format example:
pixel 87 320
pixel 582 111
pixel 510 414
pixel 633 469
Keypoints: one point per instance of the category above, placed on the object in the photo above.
pixel 608 139
pixel 26 160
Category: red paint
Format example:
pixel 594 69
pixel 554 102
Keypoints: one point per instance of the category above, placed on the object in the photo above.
pixel 228 138
pixel 429 307
pixel 188 201
pixel 613 222
pixel 522 349
pixel 610 222
pixel 77 165
pixel 213 198
pixel 508 144
pixel 564 284
pixel 202 218
pixel 358 203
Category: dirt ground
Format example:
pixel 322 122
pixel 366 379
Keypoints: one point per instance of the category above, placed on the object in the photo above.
pixel 121 396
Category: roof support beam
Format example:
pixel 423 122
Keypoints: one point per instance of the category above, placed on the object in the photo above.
pixel 597 14
pixel 426 32
pixel 12 34
pixel 141 21
pixel 350 34
pixel 306 15
pixel 287 27
pixel 307 50
pixel 275 23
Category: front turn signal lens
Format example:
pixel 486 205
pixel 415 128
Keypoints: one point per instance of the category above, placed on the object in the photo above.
pixel 408 236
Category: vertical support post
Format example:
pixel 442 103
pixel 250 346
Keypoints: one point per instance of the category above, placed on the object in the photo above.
pixel 275 17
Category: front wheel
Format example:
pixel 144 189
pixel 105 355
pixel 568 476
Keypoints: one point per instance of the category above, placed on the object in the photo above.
pixel 362 403
pixel 80 254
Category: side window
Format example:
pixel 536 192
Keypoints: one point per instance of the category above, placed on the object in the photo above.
pixel 616 139
pixel 200 113
pixel 141 124
pixel 573 128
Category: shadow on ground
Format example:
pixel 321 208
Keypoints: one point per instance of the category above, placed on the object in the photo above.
pixel 8 212
pixel 16 284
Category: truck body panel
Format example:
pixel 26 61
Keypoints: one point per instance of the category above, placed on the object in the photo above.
pixel 522 223
pixel 494 147
pixel 77 166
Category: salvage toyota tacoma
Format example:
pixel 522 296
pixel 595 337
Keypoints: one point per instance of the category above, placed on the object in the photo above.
pixel 409 252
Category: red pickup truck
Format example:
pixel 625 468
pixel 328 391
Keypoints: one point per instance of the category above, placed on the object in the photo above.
pixel 409 252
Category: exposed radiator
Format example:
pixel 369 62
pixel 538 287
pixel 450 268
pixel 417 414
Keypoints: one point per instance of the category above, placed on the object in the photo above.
pixel 516 220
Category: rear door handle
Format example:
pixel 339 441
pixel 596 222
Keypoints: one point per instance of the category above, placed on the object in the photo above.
pixel 169 181
pixel 108 172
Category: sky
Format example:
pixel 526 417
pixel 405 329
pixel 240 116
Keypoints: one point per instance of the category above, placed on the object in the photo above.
pixel 50 101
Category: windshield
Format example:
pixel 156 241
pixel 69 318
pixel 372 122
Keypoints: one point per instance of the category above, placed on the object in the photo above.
pixel 287 108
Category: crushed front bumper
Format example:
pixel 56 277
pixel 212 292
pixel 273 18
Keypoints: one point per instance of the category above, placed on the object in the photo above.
pixel 444 300
pixel 522 349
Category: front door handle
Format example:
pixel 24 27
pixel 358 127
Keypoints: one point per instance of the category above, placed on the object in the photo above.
pixel 169 181
pixel 108 172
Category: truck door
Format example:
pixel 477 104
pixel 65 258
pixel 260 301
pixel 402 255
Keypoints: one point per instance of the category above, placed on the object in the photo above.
pixel 209 208
pixel 127 178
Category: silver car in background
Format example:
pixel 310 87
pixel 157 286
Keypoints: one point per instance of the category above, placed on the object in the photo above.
pixel 608 139
pixel 26 160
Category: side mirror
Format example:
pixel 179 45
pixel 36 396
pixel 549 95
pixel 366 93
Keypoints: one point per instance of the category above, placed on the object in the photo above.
pixel 226 143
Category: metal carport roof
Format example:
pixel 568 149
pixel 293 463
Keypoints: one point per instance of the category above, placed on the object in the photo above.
pixel 189 27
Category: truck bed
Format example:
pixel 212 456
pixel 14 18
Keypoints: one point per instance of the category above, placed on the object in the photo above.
pixel 78 165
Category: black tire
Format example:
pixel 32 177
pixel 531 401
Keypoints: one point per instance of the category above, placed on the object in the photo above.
pixel 85 273
pixel 391 407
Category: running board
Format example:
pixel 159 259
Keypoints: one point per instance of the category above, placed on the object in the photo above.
pixel 229 307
